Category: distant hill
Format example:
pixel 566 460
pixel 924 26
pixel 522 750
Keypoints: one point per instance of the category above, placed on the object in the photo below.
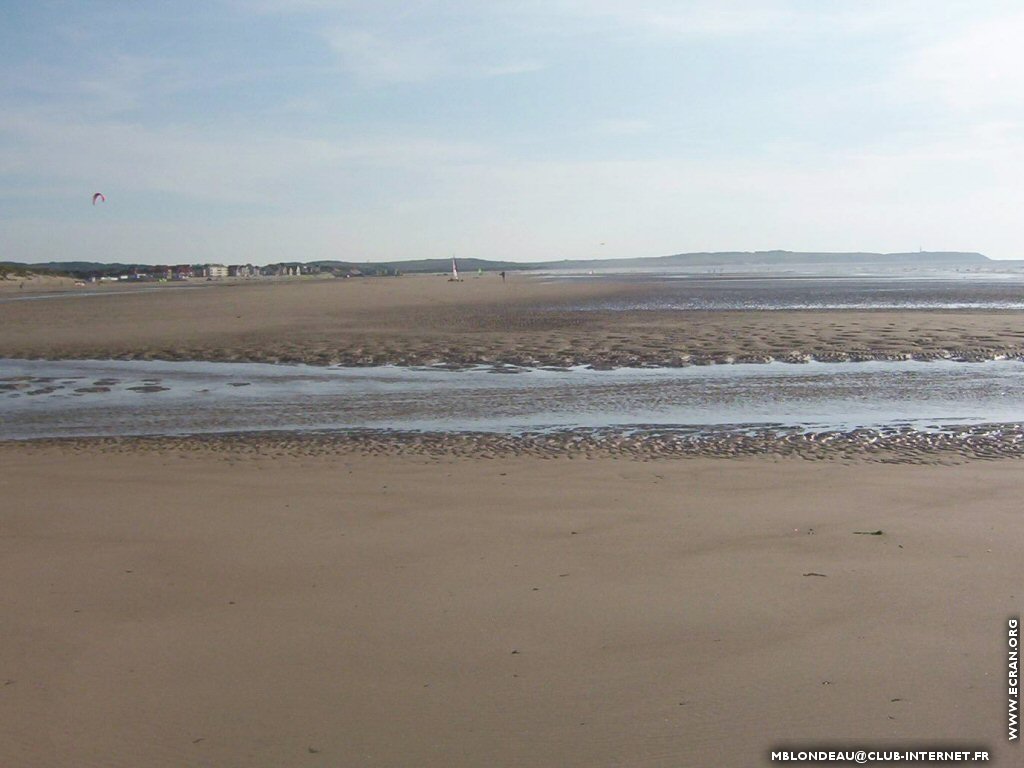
pixel 732 259
pixel 777 258
pixel 83 267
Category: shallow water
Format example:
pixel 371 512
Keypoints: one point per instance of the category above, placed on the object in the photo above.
pixel 673 291
pixel 77 398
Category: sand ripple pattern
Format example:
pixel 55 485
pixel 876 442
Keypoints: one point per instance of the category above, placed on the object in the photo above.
pixel 892 446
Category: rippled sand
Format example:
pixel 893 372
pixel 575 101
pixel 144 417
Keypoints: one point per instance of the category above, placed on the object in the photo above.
pixel 892 446
pixel 427 320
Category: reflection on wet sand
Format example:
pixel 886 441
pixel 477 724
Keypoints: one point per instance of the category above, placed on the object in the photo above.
pixel 906 403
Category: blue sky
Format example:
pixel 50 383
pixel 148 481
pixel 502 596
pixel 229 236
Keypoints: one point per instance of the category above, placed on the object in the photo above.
pixel 268 130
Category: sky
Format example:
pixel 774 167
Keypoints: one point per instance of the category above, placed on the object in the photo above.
pixel 296 130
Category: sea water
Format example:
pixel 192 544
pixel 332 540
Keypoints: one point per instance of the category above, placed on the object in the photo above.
pixel 79 398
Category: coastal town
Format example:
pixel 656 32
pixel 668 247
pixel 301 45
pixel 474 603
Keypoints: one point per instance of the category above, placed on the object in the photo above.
pixel 161 272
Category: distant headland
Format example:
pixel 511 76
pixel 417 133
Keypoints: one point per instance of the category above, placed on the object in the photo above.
pixel 778 258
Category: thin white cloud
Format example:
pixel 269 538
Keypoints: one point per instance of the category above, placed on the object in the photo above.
pixel 292 6
pixel 124 82
pixel 976 68
pixel 686 19
pixel 622 127
pixel 236 168
pixel 376 58
pixel 522 67
pixel 115 83
pixel 394 56
pixel 780 19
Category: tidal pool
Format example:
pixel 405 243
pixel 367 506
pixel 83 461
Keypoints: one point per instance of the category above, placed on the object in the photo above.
pixel 81 398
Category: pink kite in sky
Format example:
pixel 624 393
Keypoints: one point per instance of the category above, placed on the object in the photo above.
pixel 99 196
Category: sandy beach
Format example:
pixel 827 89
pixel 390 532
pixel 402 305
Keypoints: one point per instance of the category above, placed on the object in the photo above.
pixel 385 599
pixel 427 320
pixel 166 607
pixel 19 285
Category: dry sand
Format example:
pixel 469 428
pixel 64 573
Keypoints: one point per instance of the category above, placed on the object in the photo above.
pixel 169 608
pixel 417 320
pixel 18 285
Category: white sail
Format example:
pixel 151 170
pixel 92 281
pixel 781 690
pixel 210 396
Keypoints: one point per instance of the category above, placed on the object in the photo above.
pixel 455 270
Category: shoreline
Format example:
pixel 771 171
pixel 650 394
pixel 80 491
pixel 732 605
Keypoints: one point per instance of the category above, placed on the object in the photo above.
pixel 538 359
pixel 952 444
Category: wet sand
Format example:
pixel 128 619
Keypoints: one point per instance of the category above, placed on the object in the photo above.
pixel 427 320
pixel 894 445
pixel 182 605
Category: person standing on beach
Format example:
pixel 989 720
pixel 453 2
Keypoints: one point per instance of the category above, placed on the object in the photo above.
pixel 503 276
